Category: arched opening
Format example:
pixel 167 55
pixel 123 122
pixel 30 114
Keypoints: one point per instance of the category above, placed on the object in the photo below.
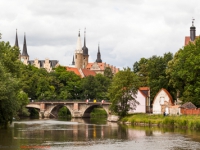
pixel 60 111
pixel 34 112
pixel 95 111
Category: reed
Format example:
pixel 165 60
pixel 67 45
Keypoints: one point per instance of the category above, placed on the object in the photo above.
pixel 182 122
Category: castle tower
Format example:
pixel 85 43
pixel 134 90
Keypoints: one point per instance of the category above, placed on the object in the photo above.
pixel 98 60
pixel 85 52
pixel 192 31
pixel 79 53
pixel 24 55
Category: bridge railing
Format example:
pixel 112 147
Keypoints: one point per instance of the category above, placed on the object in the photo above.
pixel 87 100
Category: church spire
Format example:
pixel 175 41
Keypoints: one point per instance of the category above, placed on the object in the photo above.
pixel 85 49
pixel 73 62
pixel 16 40
pixel 192 31
pixel 24 52
pixel 78 45
pixel 98 60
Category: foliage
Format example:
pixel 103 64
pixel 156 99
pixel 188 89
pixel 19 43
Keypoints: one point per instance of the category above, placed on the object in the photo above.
pixel 9 81
pixel 64 112
pixel 108 73
pixel 98 112
pixel 122 92
pixel 183 122
pixel 152 73
pixel 184 72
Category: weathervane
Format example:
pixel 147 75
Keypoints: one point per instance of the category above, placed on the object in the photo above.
pixel 193 21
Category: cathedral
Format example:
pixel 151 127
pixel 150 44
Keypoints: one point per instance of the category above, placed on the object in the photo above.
pixel 80 64
pixel 24 57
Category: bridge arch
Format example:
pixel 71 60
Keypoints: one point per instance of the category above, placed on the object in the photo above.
pixel 86 113
pixel 33 106
pixel 53 110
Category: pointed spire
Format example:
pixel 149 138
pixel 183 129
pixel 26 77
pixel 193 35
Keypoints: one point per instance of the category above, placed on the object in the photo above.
pixel 79 33
pixel 192 31
pixel 85 49
pixel 24 52
pixel 78 45
pixel 98 60
pixel 16 40
pixel 73 62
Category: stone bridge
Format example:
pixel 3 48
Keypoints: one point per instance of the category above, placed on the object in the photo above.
pixel 77 109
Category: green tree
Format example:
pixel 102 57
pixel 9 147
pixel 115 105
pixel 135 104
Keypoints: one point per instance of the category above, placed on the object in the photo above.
pixel 122 92
pixel 141 69
pixel 184 72
pixel 9 81
pixel 108 73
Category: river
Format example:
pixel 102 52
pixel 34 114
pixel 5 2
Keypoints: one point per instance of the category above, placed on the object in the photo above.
pixel 86 134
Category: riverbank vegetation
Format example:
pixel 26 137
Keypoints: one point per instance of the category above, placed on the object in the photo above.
pixel 182 121
pixel 98 113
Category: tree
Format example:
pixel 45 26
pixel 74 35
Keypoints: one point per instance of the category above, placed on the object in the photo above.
pixel 9 81
pixel 108 73
pixel 184 72
pixel 122 92
pixel 141 69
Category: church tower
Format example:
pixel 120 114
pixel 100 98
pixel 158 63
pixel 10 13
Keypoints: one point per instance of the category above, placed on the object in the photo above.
pixel 85 52
pixel 16 40
pixel 192 31
pixel 79 53
pixel 24 55
pixel 98 60
pixel 73 62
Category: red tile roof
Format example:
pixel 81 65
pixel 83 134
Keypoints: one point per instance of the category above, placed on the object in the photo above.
pixel 75 70
pixel 87 72
pixel 145 91
pixel 187 40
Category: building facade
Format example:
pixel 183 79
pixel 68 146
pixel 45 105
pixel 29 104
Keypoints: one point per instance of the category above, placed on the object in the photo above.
pixel 81 58
pixel 24 57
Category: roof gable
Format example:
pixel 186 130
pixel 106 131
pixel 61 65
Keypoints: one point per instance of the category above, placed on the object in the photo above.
pixel 168 94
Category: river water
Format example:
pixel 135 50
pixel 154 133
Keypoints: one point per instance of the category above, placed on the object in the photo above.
pixel 79 134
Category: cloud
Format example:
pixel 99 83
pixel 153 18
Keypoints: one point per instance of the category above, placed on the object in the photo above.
pixel 126 30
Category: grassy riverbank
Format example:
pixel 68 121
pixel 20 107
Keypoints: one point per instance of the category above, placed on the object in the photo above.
pixel 184 122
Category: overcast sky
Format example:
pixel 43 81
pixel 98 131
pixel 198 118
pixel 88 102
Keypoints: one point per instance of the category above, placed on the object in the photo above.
pixel 127 30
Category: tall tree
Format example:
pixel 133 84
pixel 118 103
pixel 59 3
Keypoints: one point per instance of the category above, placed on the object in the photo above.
pixel 9 81
pixel 122 92
pixel 184 72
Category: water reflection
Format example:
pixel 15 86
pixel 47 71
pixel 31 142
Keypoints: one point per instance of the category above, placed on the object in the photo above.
pixel 94 134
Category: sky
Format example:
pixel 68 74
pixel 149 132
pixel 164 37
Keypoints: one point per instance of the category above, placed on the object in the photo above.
pixel 126 30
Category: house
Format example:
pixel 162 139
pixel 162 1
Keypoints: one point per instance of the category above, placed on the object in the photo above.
pixel 162 102
pixel 143 97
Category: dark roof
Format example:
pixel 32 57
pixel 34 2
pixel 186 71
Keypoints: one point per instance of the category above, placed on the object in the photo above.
pixel 85 49
pixel 24 52
pixel 16 40
pixel 188 105
pixel 98 60
pixel 53 63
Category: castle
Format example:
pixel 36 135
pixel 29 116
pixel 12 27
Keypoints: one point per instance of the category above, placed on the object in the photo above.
pixel 24 57
pixel 80 65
